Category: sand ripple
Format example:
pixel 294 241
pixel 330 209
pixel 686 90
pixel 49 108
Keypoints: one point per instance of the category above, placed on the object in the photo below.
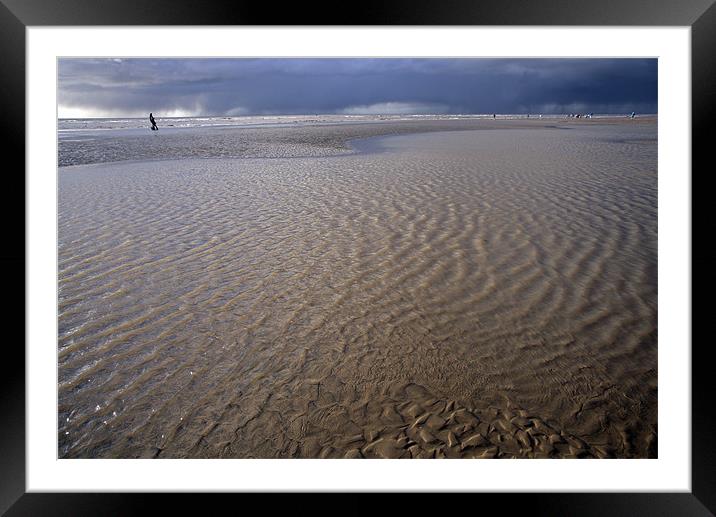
pixel 462 294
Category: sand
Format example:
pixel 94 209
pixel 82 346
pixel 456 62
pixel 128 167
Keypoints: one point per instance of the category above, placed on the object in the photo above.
pixel 465 292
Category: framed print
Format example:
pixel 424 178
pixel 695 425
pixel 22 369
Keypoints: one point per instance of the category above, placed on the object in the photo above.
pixel 437 238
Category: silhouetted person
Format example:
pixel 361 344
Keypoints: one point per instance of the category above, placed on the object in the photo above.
pixel 154 122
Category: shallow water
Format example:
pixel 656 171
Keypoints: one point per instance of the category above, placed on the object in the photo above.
pixel 469 293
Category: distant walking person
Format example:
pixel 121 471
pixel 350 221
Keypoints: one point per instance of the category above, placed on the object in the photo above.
pixel 154 122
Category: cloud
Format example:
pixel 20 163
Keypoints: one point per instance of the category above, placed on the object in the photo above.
pixel 64 111
pixel 395 108
pixel 237 111
pixel 69 111
pixel 211 86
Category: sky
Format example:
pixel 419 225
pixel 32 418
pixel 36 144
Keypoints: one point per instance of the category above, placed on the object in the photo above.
pixel 117 87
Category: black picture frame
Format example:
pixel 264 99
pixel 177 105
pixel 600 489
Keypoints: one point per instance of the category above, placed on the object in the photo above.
pixel 16 15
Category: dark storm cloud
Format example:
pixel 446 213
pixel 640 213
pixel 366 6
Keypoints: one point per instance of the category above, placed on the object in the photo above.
pixel 127 87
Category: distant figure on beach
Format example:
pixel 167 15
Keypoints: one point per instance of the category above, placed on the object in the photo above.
pixel 154 122
pixel 493 115
pixel 632 114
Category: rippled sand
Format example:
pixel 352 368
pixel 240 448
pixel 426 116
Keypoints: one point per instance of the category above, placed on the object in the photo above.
pixel 484 293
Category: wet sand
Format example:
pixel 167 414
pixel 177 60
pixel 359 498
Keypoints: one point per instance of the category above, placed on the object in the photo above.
pixel 465 291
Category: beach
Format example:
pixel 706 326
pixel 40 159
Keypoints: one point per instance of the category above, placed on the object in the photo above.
pixel 427 287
